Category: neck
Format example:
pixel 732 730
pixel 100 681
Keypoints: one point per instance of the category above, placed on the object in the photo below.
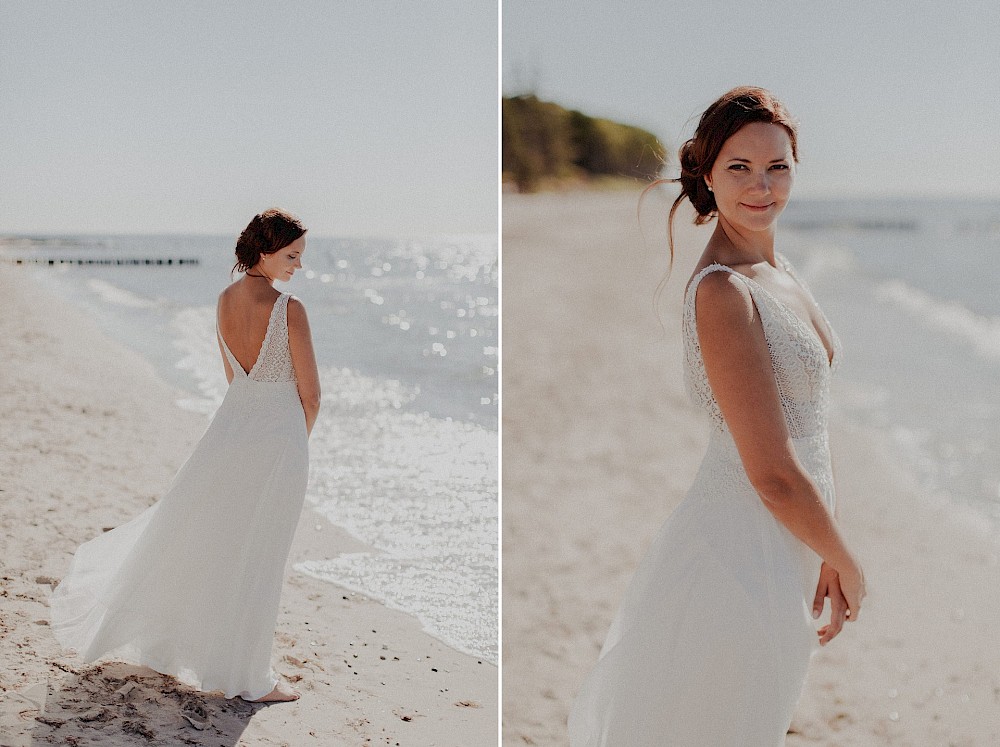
pixel 744 247
pixel 254 272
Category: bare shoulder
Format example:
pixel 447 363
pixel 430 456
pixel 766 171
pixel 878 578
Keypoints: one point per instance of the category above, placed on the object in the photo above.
pixel 732 340
pixel 224 306
pixel 723 301
pixel 297 313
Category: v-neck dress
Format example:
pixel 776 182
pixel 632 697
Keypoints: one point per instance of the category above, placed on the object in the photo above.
pixel 712 641
pixel 191 586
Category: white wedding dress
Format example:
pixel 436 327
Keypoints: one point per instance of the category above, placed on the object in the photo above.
pixel 713 637
pixel 190 587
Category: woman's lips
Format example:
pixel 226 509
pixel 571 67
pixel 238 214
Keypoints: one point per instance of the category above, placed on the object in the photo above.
pixel 757 208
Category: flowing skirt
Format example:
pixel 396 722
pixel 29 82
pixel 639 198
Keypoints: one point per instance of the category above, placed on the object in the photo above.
pixel 191 586
pixel 712 641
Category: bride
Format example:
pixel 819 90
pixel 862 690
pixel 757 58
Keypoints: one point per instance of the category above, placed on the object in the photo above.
pixel 713 638
pixel 190 587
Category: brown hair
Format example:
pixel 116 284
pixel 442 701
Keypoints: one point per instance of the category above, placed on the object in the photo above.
pixel 728 114
pixel 268 232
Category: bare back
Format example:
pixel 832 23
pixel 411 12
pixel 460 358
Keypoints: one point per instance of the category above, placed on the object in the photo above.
pixel 243 313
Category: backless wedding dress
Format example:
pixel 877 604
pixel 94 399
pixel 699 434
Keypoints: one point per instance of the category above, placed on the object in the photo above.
pixel 190 587
pixel 713 637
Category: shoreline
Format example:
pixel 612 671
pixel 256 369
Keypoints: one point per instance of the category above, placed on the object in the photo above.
pixel 600 443
pixel 358 441
pixel 86 421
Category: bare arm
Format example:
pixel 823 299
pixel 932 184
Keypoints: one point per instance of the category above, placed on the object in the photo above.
pixel 739 369
pixel 303 360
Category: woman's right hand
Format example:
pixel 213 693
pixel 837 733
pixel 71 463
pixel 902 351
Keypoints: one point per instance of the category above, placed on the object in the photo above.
pixel 852 585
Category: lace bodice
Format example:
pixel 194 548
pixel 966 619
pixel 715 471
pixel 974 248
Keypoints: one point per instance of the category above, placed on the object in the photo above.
pixel 801 368
pixel 274 362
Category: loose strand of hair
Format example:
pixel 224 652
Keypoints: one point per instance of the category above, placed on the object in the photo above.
pixel 661 285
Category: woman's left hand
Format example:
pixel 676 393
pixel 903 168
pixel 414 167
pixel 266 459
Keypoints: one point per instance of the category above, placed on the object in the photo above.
pixel 829 586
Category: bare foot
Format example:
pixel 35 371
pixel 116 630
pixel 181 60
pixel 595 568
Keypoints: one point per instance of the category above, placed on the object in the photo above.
pixel 281 693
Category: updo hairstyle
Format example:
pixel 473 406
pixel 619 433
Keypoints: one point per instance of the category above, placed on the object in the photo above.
pixel 268 232
pixel 728 114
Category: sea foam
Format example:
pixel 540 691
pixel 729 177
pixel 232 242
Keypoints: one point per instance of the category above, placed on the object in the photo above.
pixel 981 333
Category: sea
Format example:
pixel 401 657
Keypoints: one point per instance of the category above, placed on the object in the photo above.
pixel 911 288
pixel 404 455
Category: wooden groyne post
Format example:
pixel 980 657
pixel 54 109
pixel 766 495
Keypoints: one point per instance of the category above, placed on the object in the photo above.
pixel 118 261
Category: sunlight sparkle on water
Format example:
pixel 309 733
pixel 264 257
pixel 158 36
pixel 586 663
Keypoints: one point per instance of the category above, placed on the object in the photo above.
pixel 422 492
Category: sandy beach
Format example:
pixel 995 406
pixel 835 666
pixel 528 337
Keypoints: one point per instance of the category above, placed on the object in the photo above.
pixel 89 438
pixel 600 443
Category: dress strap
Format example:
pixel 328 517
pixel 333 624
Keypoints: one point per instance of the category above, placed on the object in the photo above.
pixel 233 363
pixel 277 315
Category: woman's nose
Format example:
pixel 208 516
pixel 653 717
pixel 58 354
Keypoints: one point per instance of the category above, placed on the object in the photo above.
pixel 762 183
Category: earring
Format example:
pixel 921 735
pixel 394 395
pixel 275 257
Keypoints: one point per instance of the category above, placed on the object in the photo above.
pixel 709 187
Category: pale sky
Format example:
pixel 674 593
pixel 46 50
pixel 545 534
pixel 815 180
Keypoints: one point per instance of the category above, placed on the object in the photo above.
pixel 364 118
pixel 894 98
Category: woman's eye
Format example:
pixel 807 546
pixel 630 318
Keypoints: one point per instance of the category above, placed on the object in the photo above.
pixel 738 167
pixel 780 166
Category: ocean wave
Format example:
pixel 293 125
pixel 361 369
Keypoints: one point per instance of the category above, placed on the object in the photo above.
pixel 981 333
pixel 112 294
pixel 194 338
pixel 817 261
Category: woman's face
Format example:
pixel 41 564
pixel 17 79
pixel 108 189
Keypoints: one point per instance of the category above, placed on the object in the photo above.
pixel 753 175
pixel 283 263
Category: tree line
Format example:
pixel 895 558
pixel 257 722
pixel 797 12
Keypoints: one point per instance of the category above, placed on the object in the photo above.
pixel 543 143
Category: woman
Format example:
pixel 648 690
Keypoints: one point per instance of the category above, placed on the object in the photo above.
pixel 190 587
pixel 713 638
